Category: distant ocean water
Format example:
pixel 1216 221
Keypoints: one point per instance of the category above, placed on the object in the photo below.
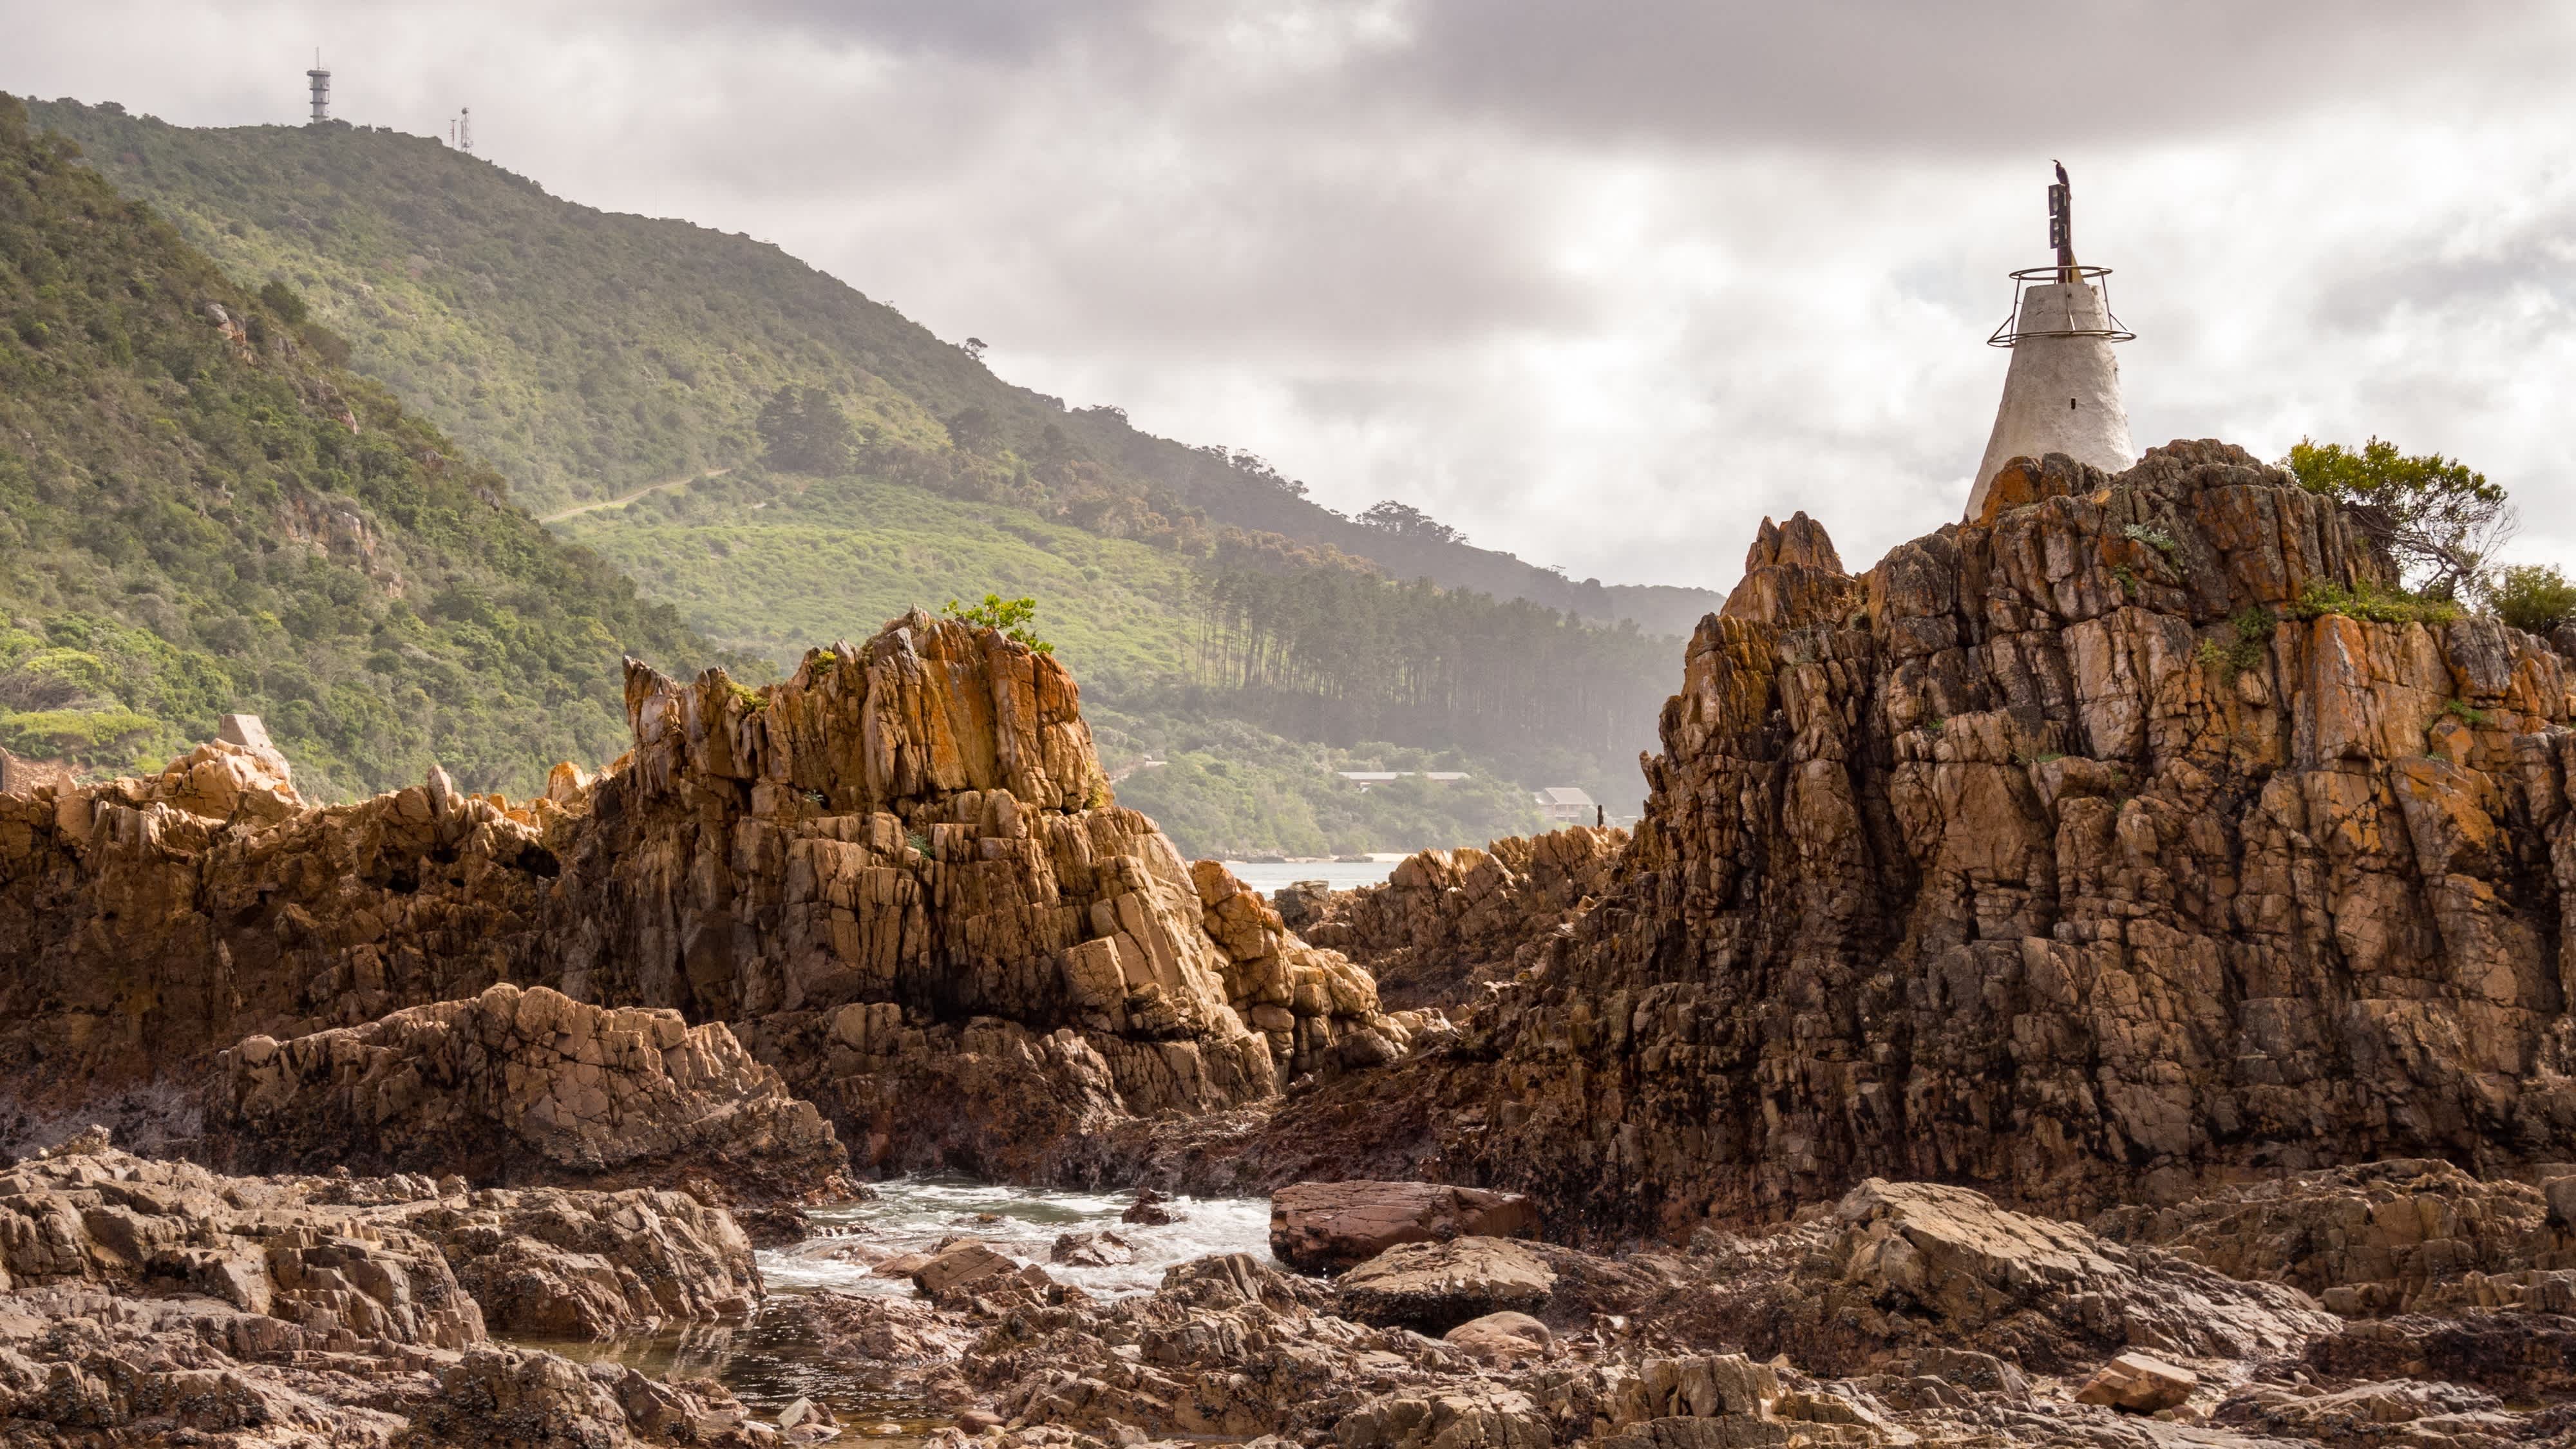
pixel 1340 875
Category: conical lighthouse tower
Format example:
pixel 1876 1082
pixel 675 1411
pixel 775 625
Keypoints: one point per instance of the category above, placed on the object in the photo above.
pixel 2062 393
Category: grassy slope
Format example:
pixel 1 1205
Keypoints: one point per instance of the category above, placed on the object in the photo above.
pixel 195 519
pixel 774 572
pixel 589 353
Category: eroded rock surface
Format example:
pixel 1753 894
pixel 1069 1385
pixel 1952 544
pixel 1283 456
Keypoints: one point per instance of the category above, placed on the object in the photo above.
pixel 2087 855
pixel 517 1086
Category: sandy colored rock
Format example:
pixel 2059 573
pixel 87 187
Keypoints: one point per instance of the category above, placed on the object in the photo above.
pixel 1321 1227
pixel 2140 1383
pixel 1502 1338
pixel 960 1267
pixel 1434 1287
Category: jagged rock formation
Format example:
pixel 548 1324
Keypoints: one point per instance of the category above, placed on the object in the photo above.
pixel 1447 920
pixel 898 876
pixel 2083 854
pixel 147 923
pixel 527 1086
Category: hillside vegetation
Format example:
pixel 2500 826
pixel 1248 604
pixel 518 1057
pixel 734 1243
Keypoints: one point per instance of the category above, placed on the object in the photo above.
pixel 199 513
pixel 587 354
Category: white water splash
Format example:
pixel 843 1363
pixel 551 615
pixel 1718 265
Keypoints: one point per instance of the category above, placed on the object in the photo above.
pixel 911 1214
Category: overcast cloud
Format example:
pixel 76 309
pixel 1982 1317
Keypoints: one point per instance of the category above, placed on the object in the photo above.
pixel 1601 284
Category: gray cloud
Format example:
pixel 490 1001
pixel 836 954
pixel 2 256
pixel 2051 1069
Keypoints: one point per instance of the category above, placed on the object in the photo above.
pixel 1600 284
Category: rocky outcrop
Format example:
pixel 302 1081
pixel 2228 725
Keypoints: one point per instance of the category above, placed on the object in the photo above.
pixel 151 1302
pixel 898 877
pixel 530 1086
pixel 2088 855
pixel 1324 1227
pixel 1447 921
pixel 2376 1238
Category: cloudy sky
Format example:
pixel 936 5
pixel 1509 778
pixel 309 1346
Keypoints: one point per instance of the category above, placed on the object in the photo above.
pixel 1601 284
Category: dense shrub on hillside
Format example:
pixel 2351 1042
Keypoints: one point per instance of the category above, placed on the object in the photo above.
pixel 199 514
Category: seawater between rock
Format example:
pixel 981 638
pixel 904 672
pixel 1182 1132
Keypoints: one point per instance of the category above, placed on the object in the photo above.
pixel 769 1363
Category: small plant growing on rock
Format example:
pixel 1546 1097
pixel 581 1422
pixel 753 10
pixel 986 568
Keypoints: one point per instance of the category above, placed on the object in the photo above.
pixel 2155 538
pixel 2372 605
pixel 2127 578
pixel 2466 713
pixel 1011 616
pixel 2253 628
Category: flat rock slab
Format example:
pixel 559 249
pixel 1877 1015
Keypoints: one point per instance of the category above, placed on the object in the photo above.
pixel 2140 1383
pixel 1323 1227
pixel 1435 1287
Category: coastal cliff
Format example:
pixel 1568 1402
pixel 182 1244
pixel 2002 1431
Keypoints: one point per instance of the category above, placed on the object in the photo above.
pixel 2097 851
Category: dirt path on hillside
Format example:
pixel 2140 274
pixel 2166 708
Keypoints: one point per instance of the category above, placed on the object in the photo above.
pixel 631 497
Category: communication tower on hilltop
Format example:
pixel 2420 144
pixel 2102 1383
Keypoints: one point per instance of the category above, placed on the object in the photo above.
pixel 2062 392
pixel 465 129
pixel 321 80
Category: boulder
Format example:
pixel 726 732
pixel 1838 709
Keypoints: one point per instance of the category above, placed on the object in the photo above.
pixel 1952 1258
pixel 1091 1250
pixel 525 1086
pixel 2140 1383
pixel 1435 1287
pixel 1502 1338
pixel 1321 1227
pixel 960 1267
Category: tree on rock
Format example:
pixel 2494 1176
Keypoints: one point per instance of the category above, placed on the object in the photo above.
pixel 2440 520
pixel 803 431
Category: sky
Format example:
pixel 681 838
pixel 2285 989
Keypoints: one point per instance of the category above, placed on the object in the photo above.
pixel 1602 285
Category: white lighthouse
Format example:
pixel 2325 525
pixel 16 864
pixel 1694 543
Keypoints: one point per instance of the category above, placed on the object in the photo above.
pixel 2062 392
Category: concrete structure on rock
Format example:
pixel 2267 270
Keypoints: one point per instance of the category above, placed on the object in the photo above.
pixel 2062 392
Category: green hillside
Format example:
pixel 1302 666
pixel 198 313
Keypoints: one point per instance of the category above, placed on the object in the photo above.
pixel 587 354
pixel 198 513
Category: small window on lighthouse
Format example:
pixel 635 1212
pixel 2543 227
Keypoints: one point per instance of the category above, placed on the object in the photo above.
pixel 2070 405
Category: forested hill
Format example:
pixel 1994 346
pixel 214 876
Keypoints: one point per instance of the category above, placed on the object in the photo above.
pixel 587 354
pixel 198 513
